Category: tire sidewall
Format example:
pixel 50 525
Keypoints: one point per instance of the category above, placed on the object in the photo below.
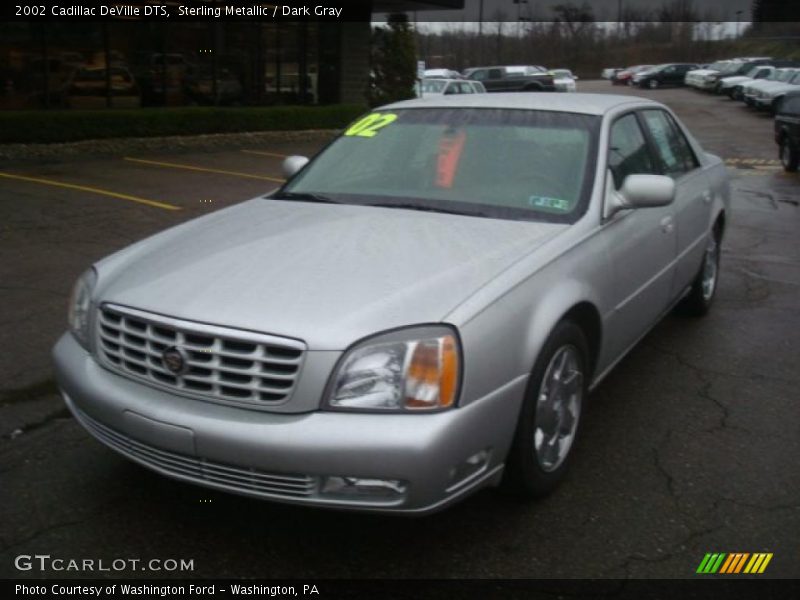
pixel 524 475
pixel 789 156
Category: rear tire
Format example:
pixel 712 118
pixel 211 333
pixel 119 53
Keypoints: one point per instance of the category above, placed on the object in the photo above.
pixel 550 417
pixel 653 83
pixel 698 301
pixel 790 156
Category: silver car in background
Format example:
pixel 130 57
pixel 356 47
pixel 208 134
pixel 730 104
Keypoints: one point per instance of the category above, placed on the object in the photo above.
pixel 418 313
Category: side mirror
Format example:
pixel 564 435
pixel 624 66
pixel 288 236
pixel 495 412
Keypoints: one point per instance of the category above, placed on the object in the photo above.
pixel 642 191
pixel 575 77
pixel 645 191
pixel 292 164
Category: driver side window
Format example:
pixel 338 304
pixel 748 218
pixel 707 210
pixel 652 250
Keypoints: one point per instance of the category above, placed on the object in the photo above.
pixel 628 152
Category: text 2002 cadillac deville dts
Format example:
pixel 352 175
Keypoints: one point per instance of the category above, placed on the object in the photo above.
pixel 418 313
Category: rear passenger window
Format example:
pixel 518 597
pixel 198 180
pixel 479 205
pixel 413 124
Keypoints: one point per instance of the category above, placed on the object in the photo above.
pixel 628 153
pixel 673 150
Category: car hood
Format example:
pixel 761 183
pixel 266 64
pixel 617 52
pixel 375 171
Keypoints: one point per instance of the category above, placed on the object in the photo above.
pixel 327 274
pixel 764 85
pixel 734 79
pixel 702 72
pixel 782 88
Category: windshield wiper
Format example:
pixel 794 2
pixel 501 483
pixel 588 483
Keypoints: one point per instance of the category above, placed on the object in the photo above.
pixel 423 207
pixel 305 197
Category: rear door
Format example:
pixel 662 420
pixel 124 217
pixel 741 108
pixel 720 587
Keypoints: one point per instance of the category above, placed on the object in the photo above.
pixel 693 195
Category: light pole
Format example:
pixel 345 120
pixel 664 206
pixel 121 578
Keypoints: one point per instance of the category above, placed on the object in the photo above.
pixel 480 31
pixel 519 4
pixel 738 23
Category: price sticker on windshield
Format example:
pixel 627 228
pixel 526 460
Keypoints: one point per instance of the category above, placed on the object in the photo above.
pixel 370 125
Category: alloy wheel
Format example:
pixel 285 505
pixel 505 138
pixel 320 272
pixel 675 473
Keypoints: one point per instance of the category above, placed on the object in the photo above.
pixel 558 408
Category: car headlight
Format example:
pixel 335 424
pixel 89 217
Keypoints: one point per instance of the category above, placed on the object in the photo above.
pixel 408 370
pixel 79 306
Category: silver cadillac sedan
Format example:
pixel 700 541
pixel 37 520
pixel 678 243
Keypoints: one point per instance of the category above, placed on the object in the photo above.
pixel 420 311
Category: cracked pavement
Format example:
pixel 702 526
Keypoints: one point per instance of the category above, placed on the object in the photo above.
pixel 690 446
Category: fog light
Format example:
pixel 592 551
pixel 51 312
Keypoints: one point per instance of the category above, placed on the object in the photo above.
pixel 362 488
pixel 469 469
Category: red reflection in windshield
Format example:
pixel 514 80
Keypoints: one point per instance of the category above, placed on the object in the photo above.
pixel 450 148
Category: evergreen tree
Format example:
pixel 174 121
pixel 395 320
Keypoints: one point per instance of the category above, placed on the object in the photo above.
pixel 393 62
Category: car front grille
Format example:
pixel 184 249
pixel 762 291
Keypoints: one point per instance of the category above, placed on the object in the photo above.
pixel 201 470
pixel 230 366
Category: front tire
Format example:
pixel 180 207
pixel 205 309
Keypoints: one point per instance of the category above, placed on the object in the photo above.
pixel 698 301
pixel 550 416
pixel 653 83
pixel 790 156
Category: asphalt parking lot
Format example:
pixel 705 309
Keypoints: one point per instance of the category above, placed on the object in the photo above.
pixel 690 446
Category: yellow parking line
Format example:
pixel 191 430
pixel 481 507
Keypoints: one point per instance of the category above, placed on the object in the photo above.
pixel 261 153
pixel 91 190
pixel 202 169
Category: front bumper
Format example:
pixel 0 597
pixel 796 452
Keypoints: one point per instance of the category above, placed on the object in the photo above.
pixel 763 103
pixel 285 457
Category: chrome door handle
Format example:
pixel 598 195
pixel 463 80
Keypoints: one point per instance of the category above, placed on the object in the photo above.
pixel 667 225
pixel 707 196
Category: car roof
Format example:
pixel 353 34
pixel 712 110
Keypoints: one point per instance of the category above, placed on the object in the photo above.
pixel 587 104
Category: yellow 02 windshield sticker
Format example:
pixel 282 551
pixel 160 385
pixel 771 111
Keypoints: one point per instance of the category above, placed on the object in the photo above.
pixel 370 125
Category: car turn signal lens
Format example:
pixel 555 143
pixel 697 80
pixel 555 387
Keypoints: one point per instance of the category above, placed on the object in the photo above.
pixel 432 374
pixel 415 369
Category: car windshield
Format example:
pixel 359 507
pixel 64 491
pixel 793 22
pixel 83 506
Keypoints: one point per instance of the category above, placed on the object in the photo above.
pixel 501 163
pixel 731 68
pixel 433 86
pixel 784 75
pixel 753 72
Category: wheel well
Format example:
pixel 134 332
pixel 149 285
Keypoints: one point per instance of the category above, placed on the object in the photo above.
pixel 586 316
pixel 719 225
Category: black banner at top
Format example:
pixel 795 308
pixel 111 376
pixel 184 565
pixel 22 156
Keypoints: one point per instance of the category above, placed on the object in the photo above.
pixel 422 10
pixel 187 10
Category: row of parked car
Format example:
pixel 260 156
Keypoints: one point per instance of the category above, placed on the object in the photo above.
pixel 759 82
pixel 650 76
pixel 763 83
pixel 514 78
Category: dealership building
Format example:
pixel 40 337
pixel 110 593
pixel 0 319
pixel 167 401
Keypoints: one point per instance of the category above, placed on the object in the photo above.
pixel 61 63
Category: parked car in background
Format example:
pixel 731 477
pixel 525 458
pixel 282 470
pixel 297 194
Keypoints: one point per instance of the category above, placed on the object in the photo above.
pixel 777 77
pixel 787 130
pixel 447 87
pixel 455 276
pixel 625 76
pixel 610 72
pixel 769 98
pixel 564 80
pixel 737 68
pixel 695 77
pixel 512 78
pixel 87 88
pixel 664 75
pixel 442 74
pixel 162 76
pixel 199 88
pixel 732 86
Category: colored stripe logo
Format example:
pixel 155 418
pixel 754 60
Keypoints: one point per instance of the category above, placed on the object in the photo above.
pixel 734 563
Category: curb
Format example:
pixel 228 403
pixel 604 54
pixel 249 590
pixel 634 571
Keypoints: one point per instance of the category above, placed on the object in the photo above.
pixel 115 146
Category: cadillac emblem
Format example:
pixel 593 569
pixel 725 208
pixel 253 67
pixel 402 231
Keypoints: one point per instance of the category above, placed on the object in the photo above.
pixel 175 360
